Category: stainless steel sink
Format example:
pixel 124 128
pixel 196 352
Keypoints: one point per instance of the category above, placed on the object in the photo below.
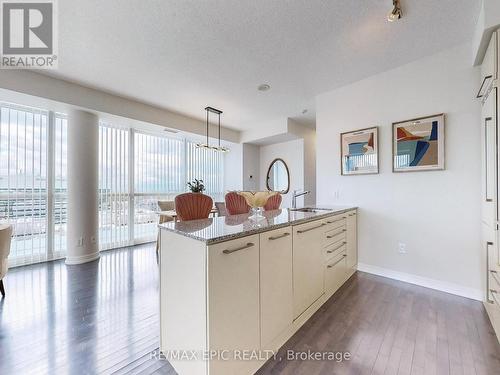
pixel 309 209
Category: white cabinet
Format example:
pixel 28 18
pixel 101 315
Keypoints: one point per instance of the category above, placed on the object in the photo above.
pixel 489 133
pixel 276 295
pixel 233 301
pixel 250 294
pixel 490 209
pixel 307 265
pixel 352 242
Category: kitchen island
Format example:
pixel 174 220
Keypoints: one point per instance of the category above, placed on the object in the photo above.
pixel 233 290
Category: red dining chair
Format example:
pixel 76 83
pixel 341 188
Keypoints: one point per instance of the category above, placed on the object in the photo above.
pixel 193 206
pixel 236 204
pixel 273 203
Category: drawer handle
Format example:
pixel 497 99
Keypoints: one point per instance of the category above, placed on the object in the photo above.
pixel 309 229
pixel 335 221
pixel 494 295
pixel 495 276
pixel 250 244
pixel 337 262
pixel 336 234
pixel 338 247
pixel 278 237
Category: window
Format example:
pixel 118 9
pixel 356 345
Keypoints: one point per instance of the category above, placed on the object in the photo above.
pixel 114 195
pixel 33 182
pixel 136 170
pixel 207 165
pixel 160 167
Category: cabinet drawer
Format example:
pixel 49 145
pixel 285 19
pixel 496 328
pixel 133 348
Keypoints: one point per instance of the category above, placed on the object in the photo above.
pixel 335 235
pixel 335 274
pixel 335 222
pixel 494 285
pixel 333 250
pixel 494 279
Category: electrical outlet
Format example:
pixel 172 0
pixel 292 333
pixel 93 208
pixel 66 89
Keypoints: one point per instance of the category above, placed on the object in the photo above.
pixel 80 242
pixel 93 240
pixel 402 248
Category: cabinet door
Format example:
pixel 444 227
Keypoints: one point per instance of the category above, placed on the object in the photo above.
pixel 276 295
pixel 308 276
pixel 233 300
pixel 489 135
pixel 352 241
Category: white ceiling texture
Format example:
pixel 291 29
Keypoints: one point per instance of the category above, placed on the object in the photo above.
pixel 183 55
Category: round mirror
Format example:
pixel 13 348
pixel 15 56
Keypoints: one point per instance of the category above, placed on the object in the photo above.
pixel 278 177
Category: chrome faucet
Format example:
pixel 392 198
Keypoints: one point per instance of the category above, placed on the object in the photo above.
pixel 295 195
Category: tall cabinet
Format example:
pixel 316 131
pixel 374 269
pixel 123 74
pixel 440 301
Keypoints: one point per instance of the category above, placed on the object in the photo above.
pixel 490 212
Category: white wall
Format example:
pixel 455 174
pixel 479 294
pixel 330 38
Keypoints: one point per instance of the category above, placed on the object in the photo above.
pixel 264 129
pixel 309 137
pixel 233 167
pixel 292 152
pixel 487 22
pixel 437 214
pixel 251 167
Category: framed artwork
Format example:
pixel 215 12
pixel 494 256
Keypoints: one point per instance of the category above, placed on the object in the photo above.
pixel 359 152
pixel 418 144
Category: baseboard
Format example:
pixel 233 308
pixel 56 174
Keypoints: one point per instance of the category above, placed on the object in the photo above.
pixel 79 259
pixel 442 286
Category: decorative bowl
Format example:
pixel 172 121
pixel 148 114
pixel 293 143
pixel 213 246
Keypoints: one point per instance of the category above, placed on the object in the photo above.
pixel 257 200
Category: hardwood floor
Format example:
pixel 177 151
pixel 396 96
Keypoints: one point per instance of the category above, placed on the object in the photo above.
pixel 102 318
pixel 96 318
pixel 391 327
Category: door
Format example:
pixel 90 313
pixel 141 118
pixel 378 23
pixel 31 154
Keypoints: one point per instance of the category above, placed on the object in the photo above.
pixel 308 276
pixel 276 295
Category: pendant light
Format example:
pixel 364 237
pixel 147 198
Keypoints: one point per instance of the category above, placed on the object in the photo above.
pixel 207 144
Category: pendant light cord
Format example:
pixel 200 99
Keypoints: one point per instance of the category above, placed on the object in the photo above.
pixel 219 130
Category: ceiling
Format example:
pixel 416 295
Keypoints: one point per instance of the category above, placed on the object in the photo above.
pixel 183 55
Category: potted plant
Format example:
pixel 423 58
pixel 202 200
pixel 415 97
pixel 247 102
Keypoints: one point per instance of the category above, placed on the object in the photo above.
pixel 196 186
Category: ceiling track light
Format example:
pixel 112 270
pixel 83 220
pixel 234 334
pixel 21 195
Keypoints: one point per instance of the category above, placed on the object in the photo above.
pixel 207 145
pixel 396 13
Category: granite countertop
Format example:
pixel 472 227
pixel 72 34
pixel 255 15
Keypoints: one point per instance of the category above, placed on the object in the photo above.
pixel 225 228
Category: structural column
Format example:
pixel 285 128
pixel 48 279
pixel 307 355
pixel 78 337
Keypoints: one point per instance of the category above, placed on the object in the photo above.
pixel 83 175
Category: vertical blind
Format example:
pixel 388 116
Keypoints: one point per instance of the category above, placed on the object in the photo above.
pixel 136 170
pixel 33 182
pixel 207 165
pixel 158 175
pixel 114 196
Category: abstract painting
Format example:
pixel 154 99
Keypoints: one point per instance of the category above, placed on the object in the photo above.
pixel 359 152
pixel 418 144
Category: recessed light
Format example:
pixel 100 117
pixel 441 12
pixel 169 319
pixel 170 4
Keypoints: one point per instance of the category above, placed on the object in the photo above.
pixel 263 87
